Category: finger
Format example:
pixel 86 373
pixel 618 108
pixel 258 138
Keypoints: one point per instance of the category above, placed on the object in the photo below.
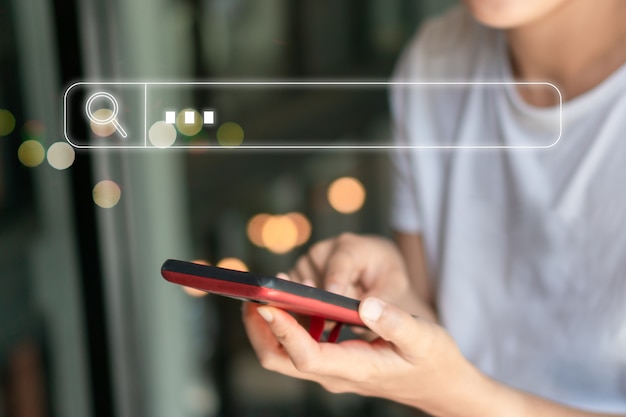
pixel 363 333
pixel 316 361
pixel 299 353
pixel 260 335
pixel 271 354
pixel 314 262
pixel 319 254
pixel 305 272
pixel 304 352
pixel 413 337
pixel 342 272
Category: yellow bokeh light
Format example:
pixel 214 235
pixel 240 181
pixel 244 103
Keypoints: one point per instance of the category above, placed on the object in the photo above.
pixel 303 226
pixel 193 292
pixel 7 122
pixel 31 153
pixel 106 129
pixel 346 195
pixel 106 194
pixel 230 134
pixel 61 155
pixel 233 263
pixel 279 234
pixel 187 125
pixel 255 228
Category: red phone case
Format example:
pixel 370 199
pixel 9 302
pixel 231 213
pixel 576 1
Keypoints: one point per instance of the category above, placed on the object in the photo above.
pixel 288 295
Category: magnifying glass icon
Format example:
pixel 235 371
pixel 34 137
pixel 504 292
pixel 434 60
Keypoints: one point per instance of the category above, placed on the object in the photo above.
pixel 112 117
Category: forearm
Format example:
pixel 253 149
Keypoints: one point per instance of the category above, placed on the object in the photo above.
pixel 477 395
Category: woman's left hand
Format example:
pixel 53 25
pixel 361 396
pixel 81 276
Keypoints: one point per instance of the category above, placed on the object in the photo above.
pixel 413 361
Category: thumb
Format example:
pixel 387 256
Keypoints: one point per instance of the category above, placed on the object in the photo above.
pixel 412 336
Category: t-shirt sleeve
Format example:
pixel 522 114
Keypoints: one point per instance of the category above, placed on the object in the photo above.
pixel 440 50
pixel 404 216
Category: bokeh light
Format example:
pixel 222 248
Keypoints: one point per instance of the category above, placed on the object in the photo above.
pixel 61 155
pixel 255 228
pixel 230 134
pixel 303 226
pixel 102 130
pixel 199 142
pixel 162 135
pixel 7 122
pixel 193 292
pixel 106 194
pixel 279 234
pixel 31 153
pixel 189 129
pixel 233 263
pixel 33 130
pixel 346 195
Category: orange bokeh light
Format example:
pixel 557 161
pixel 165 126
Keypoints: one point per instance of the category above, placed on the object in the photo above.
pixel 233 263
pixel 346 195
pixel 303 226
pixel 255 228
pixel 194 292
pixel 279 234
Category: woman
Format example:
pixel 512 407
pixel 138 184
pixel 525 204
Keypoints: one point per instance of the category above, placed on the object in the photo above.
pixel 515 253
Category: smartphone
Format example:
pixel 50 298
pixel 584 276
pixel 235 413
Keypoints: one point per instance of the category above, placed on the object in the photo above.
pixel 264 289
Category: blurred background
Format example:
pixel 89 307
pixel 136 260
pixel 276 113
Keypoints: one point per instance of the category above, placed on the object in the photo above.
pixel 88 328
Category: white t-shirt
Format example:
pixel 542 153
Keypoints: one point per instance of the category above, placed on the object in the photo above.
pixel 526 247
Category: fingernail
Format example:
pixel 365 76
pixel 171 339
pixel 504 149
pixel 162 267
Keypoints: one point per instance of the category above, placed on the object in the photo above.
pixel 266 314
pixel 282 275
pixel 372 309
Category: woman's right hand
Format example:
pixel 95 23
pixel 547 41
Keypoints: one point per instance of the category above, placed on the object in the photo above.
pixel 359 266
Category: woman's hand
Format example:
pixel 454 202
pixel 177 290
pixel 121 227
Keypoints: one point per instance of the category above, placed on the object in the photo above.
pixel 359 266
pixel 414 361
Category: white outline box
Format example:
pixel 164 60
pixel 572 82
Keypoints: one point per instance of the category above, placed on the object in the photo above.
pixel 170 117
pixel 287 84
pixel 209 117
pixel 190 117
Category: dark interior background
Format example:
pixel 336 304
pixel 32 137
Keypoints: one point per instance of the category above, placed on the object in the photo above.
pixel 87 325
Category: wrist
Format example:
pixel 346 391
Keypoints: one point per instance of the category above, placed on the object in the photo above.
pixel 468 393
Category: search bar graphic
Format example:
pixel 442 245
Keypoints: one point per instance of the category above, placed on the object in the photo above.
pixel 112 118
pixel 293 115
